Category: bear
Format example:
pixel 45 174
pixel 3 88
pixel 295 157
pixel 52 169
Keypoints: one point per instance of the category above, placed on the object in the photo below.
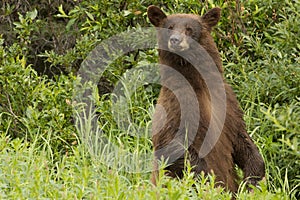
pixel 198 119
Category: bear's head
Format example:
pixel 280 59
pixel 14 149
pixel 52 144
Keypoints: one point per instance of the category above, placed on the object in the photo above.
pixel 178 31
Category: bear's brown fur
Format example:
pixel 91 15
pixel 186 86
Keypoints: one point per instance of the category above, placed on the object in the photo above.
pixel 181 82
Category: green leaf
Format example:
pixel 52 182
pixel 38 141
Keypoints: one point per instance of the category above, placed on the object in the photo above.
pixel 90 16
pixel 70 23
pixel 32 15
pixel 62 12
pixel 126 13
pixel 18 25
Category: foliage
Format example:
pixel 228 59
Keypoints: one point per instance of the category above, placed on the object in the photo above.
pixel 43 43
pixel 32 106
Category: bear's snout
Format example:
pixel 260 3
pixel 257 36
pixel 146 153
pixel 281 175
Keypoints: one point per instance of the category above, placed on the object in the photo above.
pixel 175 39
pixel 178 42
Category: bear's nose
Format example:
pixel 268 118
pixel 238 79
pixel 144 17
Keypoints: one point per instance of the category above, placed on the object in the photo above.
pixel 175 39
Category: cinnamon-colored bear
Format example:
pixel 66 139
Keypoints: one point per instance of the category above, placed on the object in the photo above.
pixel 198 118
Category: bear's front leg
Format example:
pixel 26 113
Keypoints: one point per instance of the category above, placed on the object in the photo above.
pixel 248 158
pixel 155 173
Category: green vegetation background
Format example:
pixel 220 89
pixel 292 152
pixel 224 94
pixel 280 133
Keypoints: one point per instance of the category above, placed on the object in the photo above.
pixel 42 44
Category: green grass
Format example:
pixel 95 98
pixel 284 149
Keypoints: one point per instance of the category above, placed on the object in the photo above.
pixel 27 172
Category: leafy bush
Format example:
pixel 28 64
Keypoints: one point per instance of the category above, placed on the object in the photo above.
pixel 34 26
pixel 34 106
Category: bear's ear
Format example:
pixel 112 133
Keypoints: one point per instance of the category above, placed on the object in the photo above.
pixel 155 15
pixel 212 17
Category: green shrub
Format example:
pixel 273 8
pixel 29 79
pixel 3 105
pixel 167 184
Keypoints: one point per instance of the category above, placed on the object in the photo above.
pixel 34 106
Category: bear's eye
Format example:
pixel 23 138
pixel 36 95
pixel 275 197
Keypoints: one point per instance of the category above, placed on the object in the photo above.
pixel 188 30
pixel 171 27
